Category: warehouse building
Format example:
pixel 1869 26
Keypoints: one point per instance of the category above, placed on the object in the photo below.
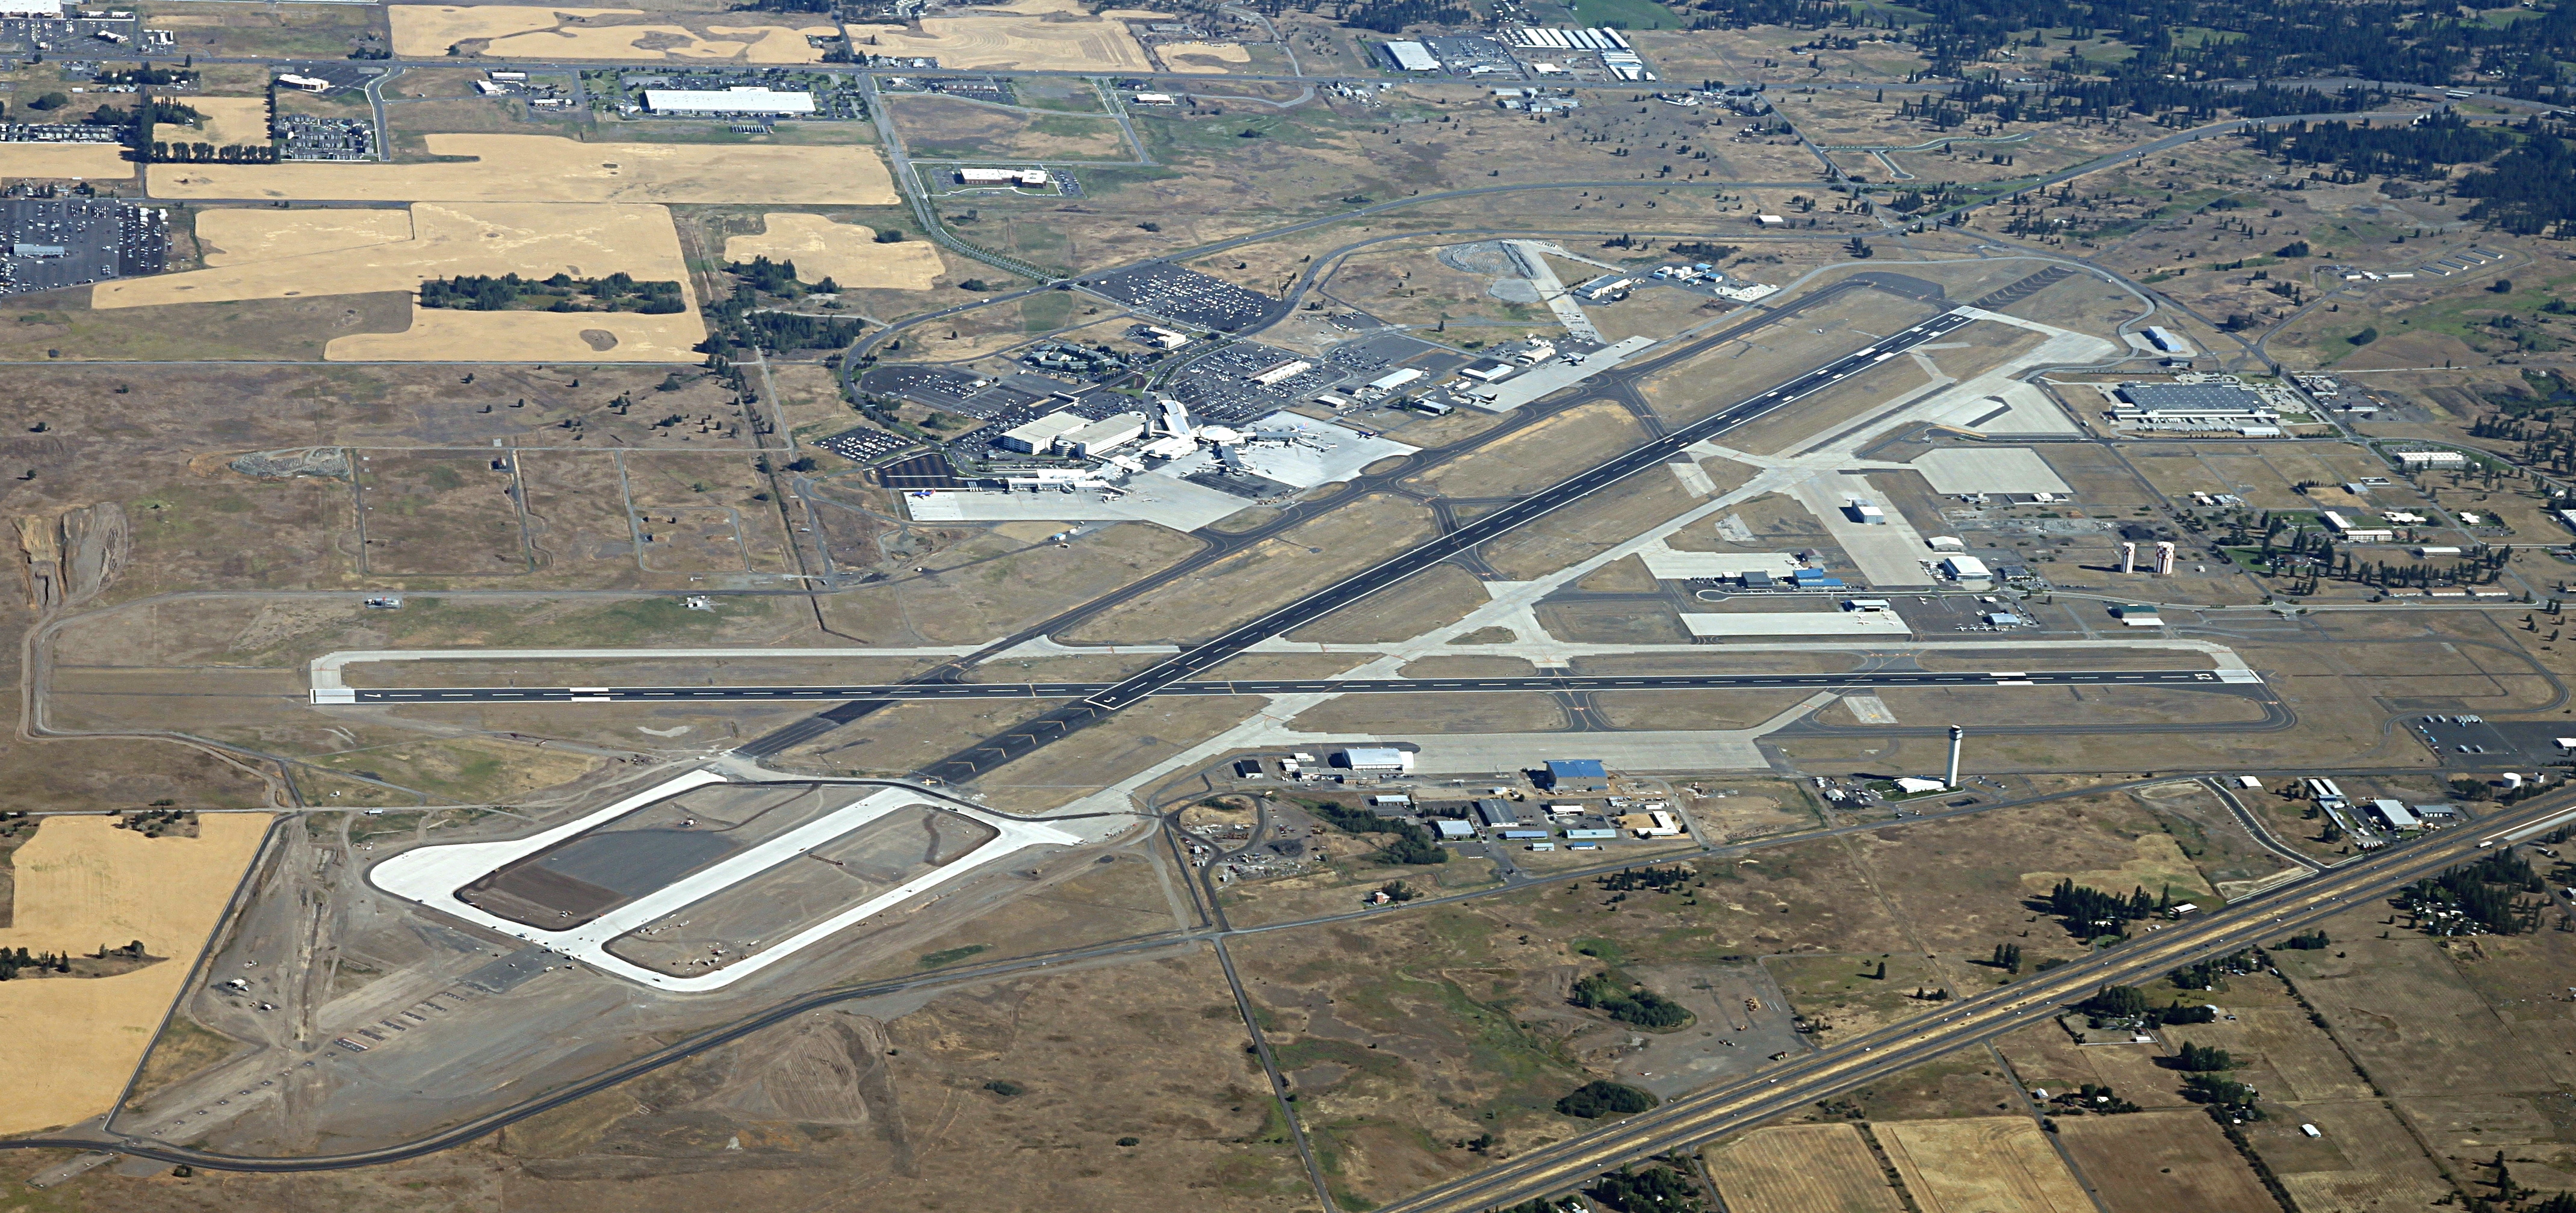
pixel 1575 774
pixel 741 99
pixel 1003 176
pixel 2415 461
pixel 1374 760
pixel 1496 813
pixel 1410 57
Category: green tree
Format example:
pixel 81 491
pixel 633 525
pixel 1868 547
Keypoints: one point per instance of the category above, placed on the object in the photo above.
pixel 2364 337
pixel 1594 1100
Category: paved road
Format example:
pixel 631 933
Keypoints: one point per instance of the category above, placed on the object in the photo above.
pixel 1864 1059
pixel 1306 686
pixel 1200 658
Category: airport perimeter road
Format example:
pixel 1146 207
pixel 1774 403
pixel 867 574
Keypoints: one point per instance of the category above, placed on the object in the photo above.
pixel 1864 1059
pixel 1200 658
pixel 1312 686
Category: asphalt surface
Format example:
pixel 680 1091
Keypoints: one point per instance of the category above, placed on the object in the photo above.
pixel 1698 1117
pixel 1288 686
pixel 1199 658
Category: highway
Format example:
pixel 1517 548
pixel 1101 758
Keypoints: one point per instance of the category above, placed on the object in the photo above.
pixel 1198 659
pixel 1882 679
pixel 1864 1059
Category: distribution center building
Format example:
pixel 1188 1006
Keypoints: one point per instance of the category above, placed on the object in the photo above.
pixel 747 99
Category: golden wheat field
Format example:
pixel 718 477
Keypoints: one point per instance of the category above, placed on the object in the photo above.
pixel 551 168
pixel 81 883
pixel 847 253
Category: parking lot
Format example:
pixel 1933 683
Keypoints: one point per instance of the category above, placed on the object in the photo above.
pixel 58 242
pixel 863 445
pixel 305 137
pixel 1185 297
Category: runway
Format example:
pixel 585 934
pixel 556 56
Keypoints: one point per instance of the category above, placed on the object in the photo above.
pixel 1108 700
pixel 1879 680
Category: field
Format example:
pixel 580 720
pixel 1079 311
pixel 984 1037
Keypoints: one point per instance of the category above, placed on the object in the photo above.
pixel 550 168
pixel 846 253
pixel 239 236
pixel 1202 58
pixel 531 32
pixel 77 161
pixel 1988 1164
pixel 535 240
pixel 958 129
pixel 228 121
pixel 1824 1168
pixel 83 883
pixel 2152 1162
pixel 369 251
pixel 1031 35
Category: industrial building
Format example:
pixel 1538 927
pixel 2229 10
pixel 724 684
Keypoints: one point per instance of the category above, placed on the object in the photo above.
pixel 2194 407
pixel 1374 760
pixel 1410 57
pixel 2139 615
pixel 2167 340
pixel 1574 774
pixel 1003 176
pixel 742 99
pixel 2414 461
pixel 1496 813
pixel 1967 571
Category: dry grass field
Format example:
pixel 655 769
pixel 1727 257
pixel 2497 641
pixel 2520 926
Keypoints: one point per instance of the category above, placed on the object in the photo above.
pixel 1823 1168
pixel 1988 1164
pixel 2153 1162
pixel 228 121
pixel 241 236
pixel 847 253
pixel 533 32
pixel 1031 35
pixel 371 251
pixel 58 161
pixel 547 168
pixel 1202 58
pixel 81 882
pixel 955 128
pixel 535 240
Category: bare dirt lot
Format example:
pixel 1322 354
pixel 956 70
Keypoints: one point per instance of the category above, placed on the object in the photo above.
pixel 548 168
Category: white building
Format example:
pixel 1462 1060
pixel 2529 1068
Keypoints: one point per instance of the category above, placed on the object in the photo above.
pixel 1003 176
pixel 1106 434
pixel 1037 437
pixel 1770 221
pixel 1967 570
pixel 1947 543
pixel 310 84
pixel 1157 99
pixel 31 8
pixel 1411 57
pixel 741 99
pixel 2345 529
pixel 2418 460
pixel 1379 760
pixel 1283 371
pixel 1394 379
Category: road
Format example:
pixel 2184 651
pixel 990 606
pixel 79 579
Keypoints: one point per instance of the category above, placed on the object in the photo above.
pixel 1890 1050
pixel 1307 686
pixel 1199 658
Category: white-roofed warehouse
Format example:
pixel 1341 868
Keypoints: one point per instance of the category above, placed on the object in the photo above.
pixel 740 99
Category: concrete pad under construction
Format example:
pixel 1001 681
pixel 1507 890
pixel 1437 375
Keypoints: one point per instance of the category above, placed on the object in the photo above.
pixel 2016 469
pixel 1887 553
pixel 1769 624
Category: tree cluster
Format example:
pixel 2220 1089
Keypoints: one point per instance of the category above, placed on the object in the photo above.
pixel 617 292
pixel 1594 1100
pixel 1411 845
pixel 1628 1004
